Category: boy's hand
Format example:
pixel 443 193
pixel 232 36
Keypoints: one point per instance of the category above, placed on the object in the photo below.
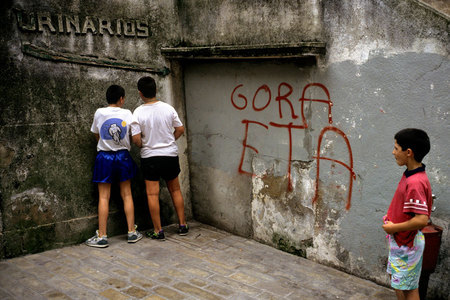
pixel 178 132
pixel 389 227
pixel 417 222
pixel 137 139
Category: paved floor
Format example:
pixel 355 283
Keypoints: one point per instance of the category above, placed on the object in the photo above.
pixel 206 264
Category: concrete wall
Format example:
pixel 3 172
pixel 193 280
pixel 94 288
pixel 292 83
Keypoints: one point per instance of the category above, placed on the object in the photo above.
pixel 54 77
pixel 386 67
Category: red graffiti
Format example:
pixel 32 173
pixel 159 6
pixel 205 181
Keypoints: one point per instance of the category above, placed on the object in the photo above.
pixel 285 98
pixel 240 96
pixel 349 168
pixel 289 127
pixel 328 101
pixel 245 145
pixel 267 90
pixel 284 92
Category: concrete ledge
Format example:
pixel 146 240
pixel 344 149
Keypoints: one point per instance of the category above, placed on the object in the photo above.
pixel 302 49
pixel 439 7
pixel 22 241
pixel 46 54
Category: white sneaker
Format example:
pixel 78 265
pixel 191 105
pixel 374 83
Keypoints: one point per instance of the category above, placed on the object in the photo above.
pixel 97 241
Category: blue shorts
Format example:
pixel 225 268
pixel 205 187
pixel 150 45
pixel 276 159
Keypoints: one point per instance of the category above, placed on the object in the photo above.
pixel 405 264
pixel 111 166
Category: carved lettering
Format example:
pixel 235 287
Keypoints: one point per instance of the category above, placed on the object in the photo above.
pixel 142 28
pixel 45 19
pixel 119 23
pixel 26 21
pixel 88 25
pixel 104 24
pixel 129 28
pixel 59 23
pixel 75 22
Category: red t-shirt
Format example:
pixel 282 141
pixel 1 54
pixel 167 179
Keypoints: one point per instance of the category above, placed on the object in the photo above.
pixel 413 196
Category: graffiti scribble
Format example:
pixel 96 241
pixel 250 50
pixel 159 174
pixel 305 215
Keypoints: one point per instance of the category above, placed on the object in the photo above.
pixel 284 92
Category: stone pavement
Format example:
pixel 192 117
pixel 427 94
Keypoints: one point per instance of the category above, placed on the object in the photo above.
pixel 206 264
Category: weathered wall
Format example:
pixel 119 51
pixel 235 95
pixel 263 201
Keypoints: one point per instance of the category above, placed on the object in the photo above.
pixel 234 22
pixel 399 51
pixel 51 88
pixel 386 68
pixel 256 163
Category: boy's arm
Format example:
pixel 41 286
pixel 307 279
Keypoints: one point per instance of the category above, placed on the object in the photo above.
pixel 135 132
pixel 137 140
pixel 97 136
pixel 178 132
pixel 416 222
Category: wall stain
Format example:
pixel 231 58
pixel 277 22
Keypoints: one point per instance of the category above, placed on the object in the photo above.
pixel 284 244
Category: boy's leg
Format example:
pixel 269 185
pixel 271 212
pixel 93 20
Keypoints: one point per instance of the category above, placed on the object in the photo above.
pixel 411 294
pixel 408 294
pixel 104 192
pixel 128 205
pixel 399 294
pixel 405 266
pixel 152 189
pixel 177 199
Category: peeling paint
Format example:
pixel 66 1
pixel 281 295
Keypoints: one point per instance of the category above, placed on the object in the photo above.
pixel 323 250
pixel 284 219
pixel 31 208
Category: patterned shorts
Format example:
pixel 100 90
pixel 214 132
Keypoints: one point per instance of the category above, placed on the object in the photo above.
pixel 405 264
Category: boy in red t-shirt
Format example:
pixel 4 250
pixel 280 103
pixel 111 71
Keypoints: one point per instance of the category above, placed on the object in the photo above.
pixel 408 213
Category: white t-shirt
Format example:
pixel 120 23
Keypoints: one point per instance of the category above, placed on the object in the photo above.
pixel 155 122
pixel 112 124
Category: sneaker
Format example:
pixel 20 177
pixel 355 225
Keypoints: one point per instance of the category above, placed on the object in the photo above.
pixel 156 236
pixel 134 236
pixel 183 229
pixel 97 241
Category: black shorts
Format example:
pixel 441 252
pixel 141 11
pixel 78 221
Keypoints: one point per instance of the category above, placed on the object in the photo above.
pixel 156 167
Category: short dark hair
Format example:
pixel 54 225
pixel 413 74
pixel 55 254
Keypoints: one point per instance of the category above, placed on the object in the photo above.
pixel 113 93
pixel 147 86
pixel 415 139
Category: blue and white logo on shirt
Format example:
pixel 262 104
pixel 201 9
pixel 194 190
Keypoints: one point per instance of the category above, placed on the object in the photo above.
pixel 113 129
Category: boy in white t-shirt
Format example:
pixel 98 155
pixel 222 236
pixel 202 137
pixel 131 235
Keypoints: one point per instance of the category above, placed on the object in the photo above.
pixel 113 163
pixel 155 128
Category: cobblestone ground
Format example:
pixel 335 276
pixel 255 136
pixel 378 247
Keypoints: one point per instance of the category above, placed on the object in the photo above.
pixel 206 264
